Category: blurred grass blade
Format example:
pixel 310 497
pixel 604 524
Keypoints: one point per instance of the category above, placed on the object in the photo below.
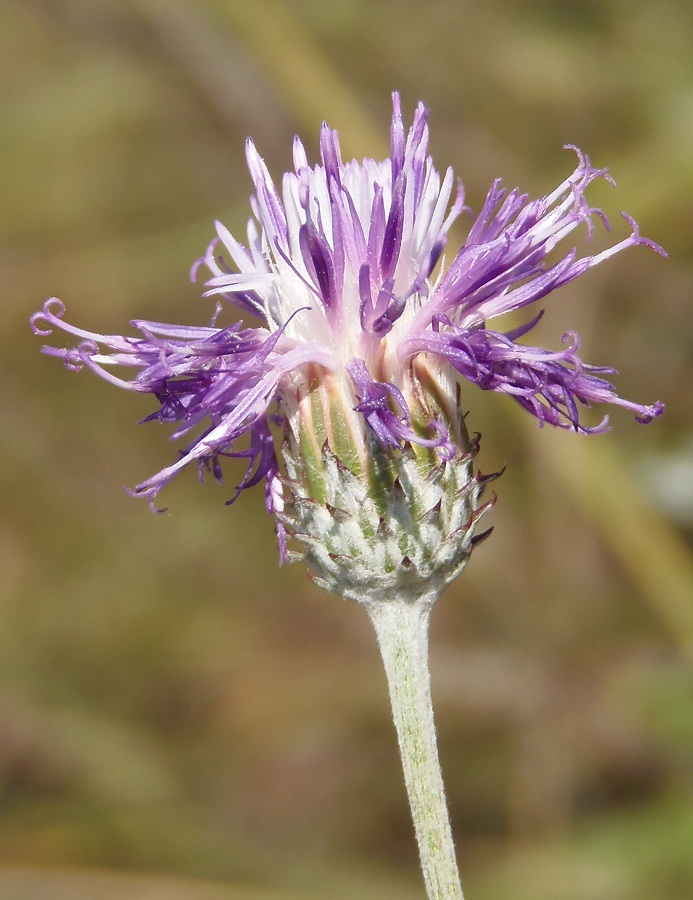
pixel 310 87
pixel 217 62
pixel 649 549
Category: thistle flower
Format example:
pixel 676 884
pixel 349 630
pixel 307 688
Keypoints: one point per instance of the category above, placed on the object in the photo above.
pixel 340 269
pixel 365 345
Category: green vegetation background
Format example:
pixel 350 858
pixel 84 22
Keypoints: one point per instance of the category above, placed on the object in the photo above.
pixel 178 717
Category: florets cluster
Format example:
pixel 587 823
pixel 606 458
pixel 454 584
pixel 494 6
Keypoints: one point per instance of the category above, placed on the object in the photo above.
pixel 342 268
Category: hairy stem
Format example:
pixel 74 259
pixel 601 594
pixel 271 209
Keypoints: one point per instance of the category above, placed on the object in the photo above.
pixel 402 629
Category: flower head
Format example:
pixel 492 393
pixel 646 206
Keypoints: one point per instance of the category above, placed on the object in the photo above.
pixel 364 335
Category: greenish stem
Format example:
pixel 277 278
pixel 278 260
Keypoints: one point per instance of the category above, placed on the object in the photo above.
pixel 402 629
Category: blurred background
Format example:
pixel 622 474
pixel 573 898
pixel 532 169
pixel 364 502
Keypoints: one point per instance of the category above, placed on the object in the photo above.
pixel 179 718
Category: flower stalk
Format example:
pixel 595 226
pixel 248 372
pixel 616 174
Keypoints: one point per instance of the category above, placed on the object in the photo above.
pixel 401 626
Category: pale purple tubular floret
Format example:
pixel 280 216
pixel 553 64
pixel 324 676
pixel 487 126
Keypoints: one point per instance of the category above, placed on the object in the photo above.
pixel 548 385
pixel 392 429
pixel 501 268
pixel 247 300
pixel 339 270
pixel 228 377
